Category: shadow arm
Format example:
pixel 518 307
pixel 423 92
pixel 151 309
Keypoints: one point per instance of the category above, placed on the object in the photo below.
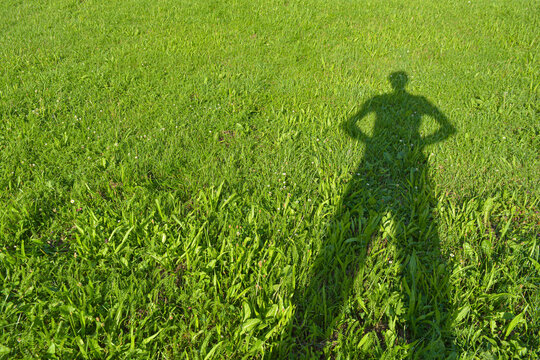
pixel 446 129
pixel 351 128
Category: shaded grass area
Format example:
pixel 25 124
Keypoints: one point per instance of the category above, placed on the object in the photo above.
pixel 186 180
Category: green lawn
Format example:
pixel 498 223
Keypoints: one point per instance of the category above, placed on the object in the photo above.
pixel 206 179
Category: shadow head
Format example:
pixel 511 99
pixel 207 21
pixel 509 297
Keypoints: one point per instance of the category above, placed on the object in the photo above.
pixel 398 80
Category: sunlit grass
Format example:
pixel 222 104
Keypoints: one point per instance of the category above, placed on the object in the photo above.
pixel 190 179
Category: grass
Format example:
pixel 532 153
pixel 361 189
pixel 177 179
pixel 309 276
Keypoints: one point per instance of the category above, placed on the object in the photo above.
pixel 203 180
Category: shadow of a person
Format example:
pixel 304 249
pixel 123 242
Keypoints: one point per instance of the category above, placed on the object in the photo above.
pixel 389 201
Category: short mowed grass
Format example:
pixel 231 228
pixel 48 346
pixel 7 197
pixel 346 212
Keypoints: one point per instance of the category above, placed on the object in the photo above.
pixel 185 179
